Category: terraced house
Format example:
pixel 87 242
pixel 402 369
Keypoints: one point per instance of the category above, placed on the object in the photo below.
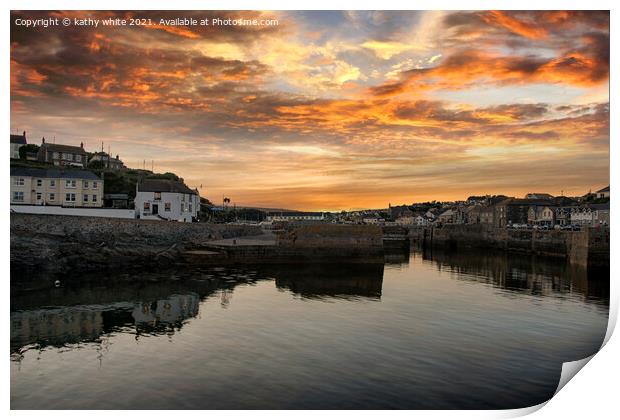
pixel 55 187
pixel 62 154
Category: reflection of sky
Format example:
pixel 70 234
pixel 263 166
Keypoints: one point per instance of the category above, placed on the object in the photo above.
pixel 501 325
pixel 243 111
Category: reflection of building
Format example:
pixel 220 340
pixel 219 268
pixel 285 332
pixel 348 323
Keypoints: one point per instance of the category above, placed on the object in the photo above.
pixel 84 323
pixel 166 313
pixel 524 273
pixel 55 327
pixel 53 186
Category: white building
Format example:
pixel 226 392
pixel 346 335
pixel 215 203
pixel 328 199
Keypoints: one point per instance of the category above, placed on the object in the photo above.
pixel 17 141
pixel 592 215
pixel 287 216
pixel 602 193
pixel 164 199
pixel 373 220
pixel 55 187
pixel 107 161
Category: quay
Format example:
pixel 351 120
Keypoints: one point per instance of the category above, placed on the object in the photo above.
pixel 71 244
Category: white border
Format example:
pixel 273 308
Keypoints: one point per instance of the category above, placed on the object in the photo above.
pixel 593 394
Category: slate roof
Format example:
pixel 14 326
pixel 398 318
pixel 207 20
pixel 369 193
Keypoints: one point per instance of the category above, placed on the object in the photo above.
pixel 164 185
pixel 53 173
pixel 604 206
pixel 606 189
pixel 18 139
pixel 63 148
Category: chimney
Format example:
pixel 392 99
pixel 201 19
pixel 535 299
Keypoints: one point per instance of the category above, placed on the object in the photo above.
pixel 24 134
pixel 82 145
pixel 43 140
pixel 117 157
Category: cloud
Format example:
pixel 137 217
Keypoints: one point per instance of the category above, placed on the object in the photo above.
pixel 288 116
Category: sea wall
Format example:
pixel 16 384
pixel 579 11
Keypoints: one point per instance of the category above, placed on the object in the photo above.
pixel 589 246
pixel 65 244
pixel 75 211
pixel 332 241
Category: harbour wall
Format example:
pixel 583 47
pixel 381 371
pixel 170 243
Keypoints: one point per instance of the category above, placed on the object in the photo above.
pixel 589 246
pixel 70 244
pixel 64 244
pixel 326 243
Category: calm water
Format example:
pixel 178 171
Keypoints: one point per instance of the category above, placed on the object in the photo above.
pixel 448 331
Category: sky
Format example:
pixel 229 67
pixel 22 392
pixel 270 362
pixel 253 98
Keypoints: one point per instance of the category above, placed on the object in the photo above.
pixel 333 110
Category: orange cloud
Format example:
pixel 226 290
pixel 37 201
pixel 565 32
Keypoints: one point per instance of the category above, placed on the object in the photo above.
pixel 502 19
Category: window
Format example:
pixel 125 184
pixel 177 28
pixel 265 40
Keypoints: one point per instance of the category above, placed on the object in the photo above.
pixel 167 207
pixel 94 184
pixel 70 183
pixel 56 155
pixel 38 196
pixel 78 158
pixel 39 182
pixel 190 207
pixel 52 197
pixel 85 184
pixel 94 198
pixel 147 206
pixel 85 198
pixel 52 182
pixel 70 197
pixel 19 181
pixel 157 196
pixel 18 196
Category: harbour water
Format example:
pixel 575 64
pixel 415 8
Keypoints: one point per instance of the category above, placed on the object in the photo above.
pixel 441 331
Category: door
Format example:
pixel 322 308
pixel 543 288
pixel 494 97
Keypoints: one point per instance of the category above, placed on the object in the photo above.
pixel 155 208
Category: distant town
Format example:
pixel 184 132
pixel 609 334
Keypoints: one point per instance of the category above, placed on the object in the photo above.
pixel 60 179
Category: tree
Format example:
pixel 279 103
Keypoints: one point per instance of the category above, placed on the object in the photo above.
pixel 27 148
pixel 97 164
pixel 167 175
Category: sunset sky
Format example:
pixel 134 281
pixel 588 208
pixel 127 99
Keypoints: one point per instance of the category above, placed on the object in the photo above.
pixel 330 110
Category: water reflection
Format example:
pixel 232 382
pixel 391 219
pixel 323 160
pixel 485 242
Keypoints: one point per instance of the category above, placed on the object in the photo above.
pixel 90 306
pixel 336 281
pixel 307 336
pixel 524 273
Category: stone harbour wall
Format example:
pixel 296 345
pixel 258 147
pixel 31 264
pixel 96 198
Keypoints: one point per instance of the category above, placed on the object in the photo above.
pixel 589 246
pixel 71 243
pixel 329 240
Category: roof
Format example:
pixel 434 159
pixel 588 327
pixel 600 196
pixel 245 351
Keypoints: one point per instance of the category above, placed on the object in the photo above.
pixel 606 189
pixel 604 206
pixel 539 195
pixel 18 139
pixel 164 185
pixel 525 202
pixel 63 148
pixel 52 173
